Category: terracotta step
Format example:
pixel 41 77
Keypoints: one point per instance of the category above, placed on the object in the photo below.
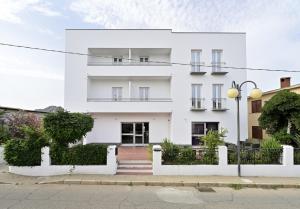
pixel 134 162
pixel 133 173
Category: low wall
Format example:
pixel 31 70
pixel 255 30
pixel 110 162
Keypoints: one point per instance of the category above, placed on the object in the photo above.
pixel 287 169
pixel 2 155
pixel 46 169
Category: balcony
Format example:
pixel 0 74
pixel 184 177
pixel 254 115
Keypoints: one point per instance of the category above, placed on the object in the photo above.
pixel 217 68
pixel 196 68
pixel 219 104
pixel 197 104
pixel 128 94
pixel 129 57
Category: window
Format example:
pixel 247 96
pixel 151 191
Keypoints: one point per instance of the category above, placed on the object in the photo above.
pixel 217 96
pixel 144 93
pixel 195 60
pixel 144 59
pixel 116 93
pixel 200 129
pixel 257 132
pixel 196 96
pixel 117 60
pixel 256 106
pixel 216 60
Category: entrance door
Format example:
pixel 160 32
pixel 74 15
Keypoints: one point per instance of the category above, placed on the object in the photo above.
pixel 135 133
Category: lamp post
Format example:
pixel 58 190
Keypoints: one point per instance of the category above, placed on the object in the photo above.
pixel 235 92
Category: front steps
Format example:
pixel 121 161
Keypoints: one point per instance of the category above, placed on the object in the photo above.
pixel 134 167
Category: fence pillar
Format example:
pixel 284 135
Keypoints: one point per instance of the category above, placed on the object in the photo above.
pixel 2 155
pixel 156 159
pixel 45 157
pixel 111 160
pixel 222 152
pixel 288 155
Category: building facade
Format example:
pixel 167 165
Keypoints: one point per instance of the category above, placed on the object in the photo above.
pixel 255 132
pixel 142 86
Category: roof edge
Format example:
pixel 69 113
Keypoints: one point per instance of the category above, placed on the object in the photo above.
pixel 212 32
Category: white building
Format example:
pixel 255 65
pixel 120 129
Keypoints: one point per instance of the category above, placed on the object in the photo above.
pixel 137 93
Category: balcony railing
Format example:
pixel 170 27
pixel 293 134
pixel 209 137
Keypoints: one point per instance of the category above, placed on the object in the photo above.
pixel 217 68
pixel 127 63
pixel 196 68
pixel 197 104
pixel 219 104
pixel 129 99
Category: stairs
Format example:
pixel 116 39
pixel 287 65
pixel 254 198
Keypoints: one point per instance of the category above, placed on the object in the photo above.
pixel 134 167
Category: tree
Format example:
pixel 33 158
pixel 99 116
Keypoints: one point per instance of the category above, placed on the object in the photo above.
pixel 280 112
pixel 17 120
pixel 65 127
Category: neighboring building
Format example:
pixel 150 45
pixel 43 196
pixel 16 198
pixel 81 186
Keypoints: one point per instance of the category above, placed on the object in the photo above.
pixel 137 96
pixel 255 132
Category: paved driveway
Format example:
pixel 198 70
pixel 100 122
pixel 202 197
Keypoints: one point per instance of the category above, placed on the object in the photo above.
pixel 143 197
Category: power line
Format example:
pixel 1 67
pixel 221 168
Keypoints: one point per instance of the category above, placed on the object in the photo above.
pixel 157 62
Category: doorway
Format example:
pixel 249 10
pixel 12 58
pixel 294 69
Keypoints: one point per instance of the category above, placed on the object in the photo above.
pixel 136 133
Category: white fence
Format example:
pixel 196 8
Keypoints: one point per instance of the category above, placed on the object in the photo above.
pixel 286 169
pixel 46 169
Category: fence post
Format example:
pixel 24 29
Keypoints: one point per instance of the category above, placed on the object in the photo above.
pixel 111 158
pixel 156 159
pixel 45 157
pixel 288 155
pixel 222 152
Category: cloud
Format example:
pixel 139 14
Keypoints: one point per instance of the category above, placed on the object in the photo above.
pixel 11 10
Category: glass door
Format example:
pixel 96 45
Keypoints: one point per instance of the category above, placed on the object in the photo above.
pixel 135 133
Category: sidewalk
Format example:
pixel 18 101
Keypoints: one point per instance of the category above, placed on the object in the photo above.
pixel 212 181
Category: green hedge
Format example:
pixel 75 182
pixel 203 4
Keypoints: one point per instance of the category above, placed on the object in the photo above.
pixel 23 152
pixel 90 154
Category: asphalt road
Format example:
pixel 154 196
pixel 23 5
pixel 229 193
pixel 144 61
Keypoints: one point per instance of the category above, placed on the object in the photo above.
pixel 143 197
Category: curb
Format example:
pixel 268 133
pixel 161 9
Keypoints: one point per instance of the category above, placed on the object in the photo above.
pixel 173 184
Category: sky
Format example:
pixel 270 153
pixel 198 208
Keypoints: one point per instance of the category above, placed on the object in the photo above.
pixel 34 79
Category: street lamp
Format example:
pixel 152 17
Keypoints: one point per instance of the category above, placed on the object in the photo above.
pixel 235 93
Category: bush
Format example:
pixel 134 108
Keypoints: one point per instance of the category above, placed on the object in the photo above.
pixel 90 154
pixel 270 151
pixel 65 127
pixel 283 137
pixel 27 151
pixel 17 120
pixel 170 151
pixel 4 134
pixel 187 156
pixel 297 156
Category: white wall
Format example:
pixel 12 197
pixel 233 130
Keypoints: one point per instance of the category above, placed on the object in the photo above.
pixel 107 127
pixel 181 44
pixel 2 155
pixel 102 88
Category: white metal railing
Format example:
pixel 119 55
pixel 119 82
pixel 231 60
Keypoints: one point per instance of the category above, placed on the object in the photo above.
pixel 197 103
pixel 217 66
pixel 219 103
pixel 127 63
pixel 129 99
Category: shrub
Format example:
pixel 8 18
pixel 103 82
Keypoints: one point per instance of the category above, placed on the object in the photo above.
pixel 270 151
pixel 90 154
pixel 65 127
pixel 15 122
pixel 27 151
pixel 213 138
pixel 297 156
pixel 4 134
pixel 186 156
pixel 283 137
pixel 170 151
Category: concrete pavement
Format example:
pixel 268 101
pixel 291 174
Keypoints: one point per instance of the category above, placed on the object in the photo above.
pixel 143 197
